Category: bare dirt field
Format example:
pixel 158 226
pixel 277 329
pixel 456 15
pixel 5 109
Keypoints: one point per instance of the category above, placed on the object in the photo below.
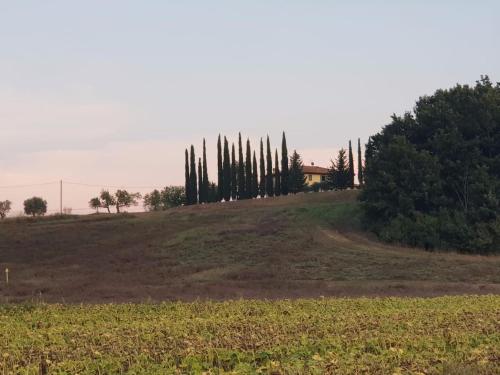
pixel 307 245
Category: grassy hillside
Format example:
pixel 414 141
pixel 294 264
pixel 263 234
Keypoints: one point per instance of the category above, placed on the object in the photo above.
pixel 298 246
pixel 446 335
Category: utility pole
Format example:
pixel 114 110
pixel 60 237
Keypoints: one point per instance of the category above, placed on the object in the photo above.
pixel 60 197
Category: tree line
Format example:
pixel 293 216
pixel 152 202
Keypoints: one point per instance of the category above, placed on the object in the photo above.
pixel 433 175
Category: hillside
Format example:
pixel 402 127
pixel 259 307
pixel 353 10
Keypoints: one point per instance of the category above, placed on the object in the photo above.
pixel 299 246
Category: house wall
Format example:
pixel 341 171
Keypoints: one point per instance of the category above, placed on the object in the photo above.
pixel 315 178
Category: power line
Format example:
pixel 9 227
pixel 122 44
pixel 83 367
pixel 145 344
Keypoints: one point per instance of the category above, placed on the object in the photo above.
pixel 112 186
pixel 28 185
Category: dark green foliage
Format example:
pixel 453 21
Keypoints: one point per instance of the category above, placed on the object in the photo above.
pixel 152 201
pixel 284 166
pixel 108 200
pixel 262 181
pixel 205 174
pixel 171 196
pixel 187 184
pixel 277 175
pixel 193 185
pixel 125 199
pixel 213 193
pixel 241 170
pixel 255 178
pixel 350 168
pixel 35 206
pixel 234 175
pixel 360 165
pixel 200 181
pixel 296 178
pixel 269 175
pixel 338 174
pixel 248 172
pixel 432 177
pixel 226 176
pixel 220 177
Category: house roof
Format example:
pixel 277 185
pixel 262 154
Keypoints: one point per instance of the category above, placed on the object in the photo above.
pixel 314 169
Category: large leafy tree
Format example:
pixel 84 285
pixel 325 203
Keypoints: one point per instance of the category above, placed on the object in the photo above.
pixel 123 198
pixel 296 178
pixel 432 177
pixel 35 206
pixel 284 166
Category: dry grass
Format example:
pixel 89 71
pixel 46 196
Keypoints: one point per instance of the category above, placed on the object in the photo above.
pixel 300 246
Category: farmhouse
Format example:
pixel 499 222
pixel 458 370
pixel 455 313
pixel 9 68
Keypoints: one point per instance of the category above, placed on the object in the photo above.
pixel 314 174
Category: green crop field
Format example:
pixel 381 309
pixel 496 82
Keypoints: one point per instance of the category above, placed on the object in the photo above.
pixel 459 334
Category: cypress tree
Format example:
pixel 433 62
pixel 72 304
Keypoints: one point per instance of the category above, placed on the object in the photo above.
pixel 360 165
pixel 219 170
pixel 269 176
pixel 262 183
pixel 248 172
pixel 255 179
pixel 187 185
pixel 200 181
pixel 342 176
pixel 351 168
pixel 284 166
pixel 241 170
pixel 205 174
pixel 277 175
pixel 226 176
pixel 296 178
pixel 234 174
pixel 192 177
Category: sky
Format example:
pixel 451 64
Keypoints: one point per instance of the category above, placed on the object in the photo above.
pixel 109 93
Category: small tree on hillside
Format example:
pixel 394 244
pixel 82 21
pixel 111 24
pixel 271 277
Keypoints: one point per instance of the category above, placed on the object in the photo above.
pixel 95 204
pixel 296 178
pixel 107 200
pixel 5 207
pixel 341 177
pixel 152 201
pixel 35 206
pixel 125 199
pixel 173 196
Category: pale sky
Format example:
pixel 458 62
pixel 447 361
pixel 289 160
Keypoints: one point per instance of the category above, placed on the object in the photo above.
pixel 111 92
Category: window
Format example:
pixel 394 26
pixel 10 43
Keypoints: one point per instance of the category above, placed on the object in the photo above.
pixel 323 178
pixel 310 177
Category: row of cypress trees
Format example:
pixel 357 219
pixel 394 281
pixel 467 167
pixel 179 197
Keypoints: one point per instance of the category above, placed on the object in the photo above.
pixel 237 178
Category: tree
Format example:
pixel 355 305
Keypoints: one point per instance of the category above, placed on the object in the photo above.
pixel 172 196
pixel 205 174
pixel 200 181
pixel 269 176
pixel 296 178
pixel 187 184
pixel 5 207
pixel 432 176
pixel 340 171
pixel 95 204
pixel 152 201
pixel 35 206
pixel 350 169
pixel 284 166
pixel 360 165
pixel 255 178
pixel 248 172
pixel 107 200
pixel 241 170
pixel 212 192
pixel 277 175
pixel 226 175
pixel 193 186
pixel 262 183
pixel 220 178
pixel 125 199
pixel 234 175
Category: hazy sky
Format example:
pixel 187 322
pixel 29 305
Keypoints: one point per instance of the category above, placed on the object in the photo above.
pixel 111 92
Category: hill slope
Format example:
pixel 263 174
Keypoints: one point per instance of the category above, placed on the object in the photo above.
pixel 304 245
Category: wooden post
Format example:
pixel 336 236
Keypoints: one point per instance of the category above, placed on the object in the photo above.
pixel 7 276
